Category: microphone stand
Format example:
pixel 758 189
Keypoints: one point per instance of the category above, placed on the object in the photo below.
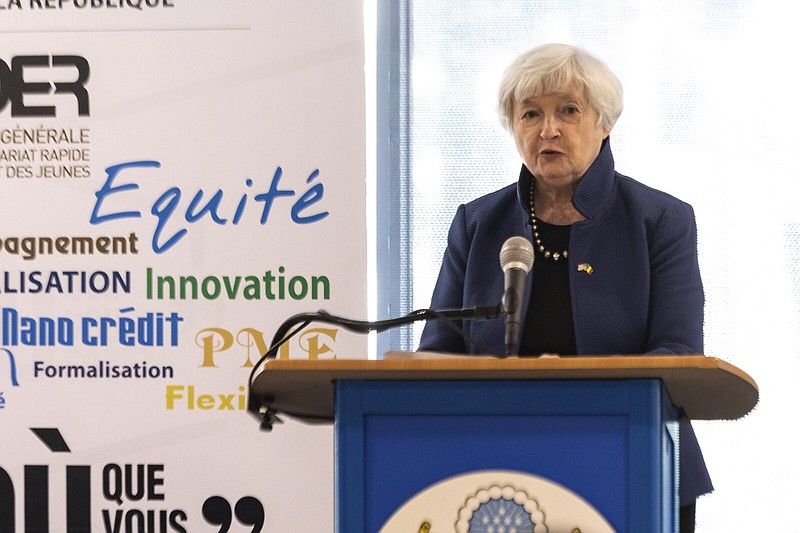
pixel 259 406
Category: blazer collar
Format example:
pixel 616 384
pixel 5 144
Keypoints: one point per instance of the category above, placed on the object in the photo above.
pixel 594 191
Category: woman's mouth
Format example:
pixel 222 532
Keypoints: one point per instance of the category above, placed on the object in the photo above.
pixel 549 153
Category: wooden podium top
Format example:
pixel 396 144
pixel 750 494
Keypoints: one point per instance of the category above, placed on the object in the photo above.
pixel 705 388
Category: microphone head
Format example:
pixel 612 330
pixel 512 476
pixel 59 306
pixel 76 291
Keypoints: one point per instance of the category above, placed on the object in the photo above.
pixel 517 252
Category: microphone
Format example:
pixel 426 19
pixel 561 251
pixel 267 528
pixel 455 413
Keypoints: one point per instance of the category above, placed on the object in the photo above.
pixel 516 260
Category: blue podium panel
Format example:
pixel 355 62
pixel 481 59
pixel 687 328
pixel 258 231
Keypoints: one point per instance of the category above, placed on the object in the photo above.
pixel 610 442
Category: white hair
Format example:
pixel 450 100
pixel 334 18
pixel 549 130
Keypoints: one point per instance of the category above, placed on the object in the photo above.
pixel 552 68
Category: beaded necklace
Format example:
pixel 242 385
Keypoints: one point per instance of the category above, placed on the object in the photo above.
pixel 555 256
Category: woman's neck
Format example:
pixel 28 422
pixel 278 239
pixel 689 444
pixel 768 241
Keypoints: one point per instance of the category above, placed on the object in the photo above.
pixel 554 205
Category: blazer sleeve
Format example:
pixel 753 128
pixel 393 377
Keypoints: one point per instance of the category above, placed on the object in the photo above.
pixel 676 291
pixel 448 293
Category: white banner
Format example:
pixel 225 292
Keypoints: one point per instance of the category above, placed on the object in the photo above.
pixel 177 177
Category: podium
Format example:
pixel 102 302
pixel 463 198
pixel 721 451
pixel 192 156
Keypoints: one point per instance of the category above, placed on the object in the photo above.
pixel 435 442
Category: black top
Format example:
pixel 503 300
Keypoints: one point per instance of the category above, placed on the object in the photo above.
pixel 549 327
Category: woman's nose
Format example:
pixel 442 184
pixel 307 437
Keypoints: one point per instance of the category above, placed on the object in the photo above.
pixel 550 128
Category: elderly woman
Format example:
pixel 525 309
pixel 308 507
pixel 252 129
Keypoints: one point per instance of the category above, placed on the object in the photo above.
pixel 616 268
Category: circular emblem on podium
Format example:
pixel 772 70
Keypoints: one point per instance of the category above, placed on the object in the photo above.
pixel 496 501
pixel 501 510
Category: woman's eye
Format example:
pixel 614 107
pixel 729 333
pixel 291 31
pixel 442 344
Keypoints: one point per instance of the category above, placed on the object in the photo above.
pixel 530 114
pixel 570 110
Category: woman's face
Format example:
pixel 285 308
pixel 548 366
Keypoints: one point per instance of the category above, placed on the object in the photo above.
pixel 558 137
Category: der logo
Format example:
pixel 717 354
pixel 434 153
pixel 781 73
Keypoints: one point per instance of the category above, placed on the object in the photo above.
pixel 22 78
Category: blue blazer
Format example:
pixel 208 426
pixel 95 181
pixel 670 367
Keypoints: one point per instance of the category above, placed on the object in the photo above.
pixel 634 278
